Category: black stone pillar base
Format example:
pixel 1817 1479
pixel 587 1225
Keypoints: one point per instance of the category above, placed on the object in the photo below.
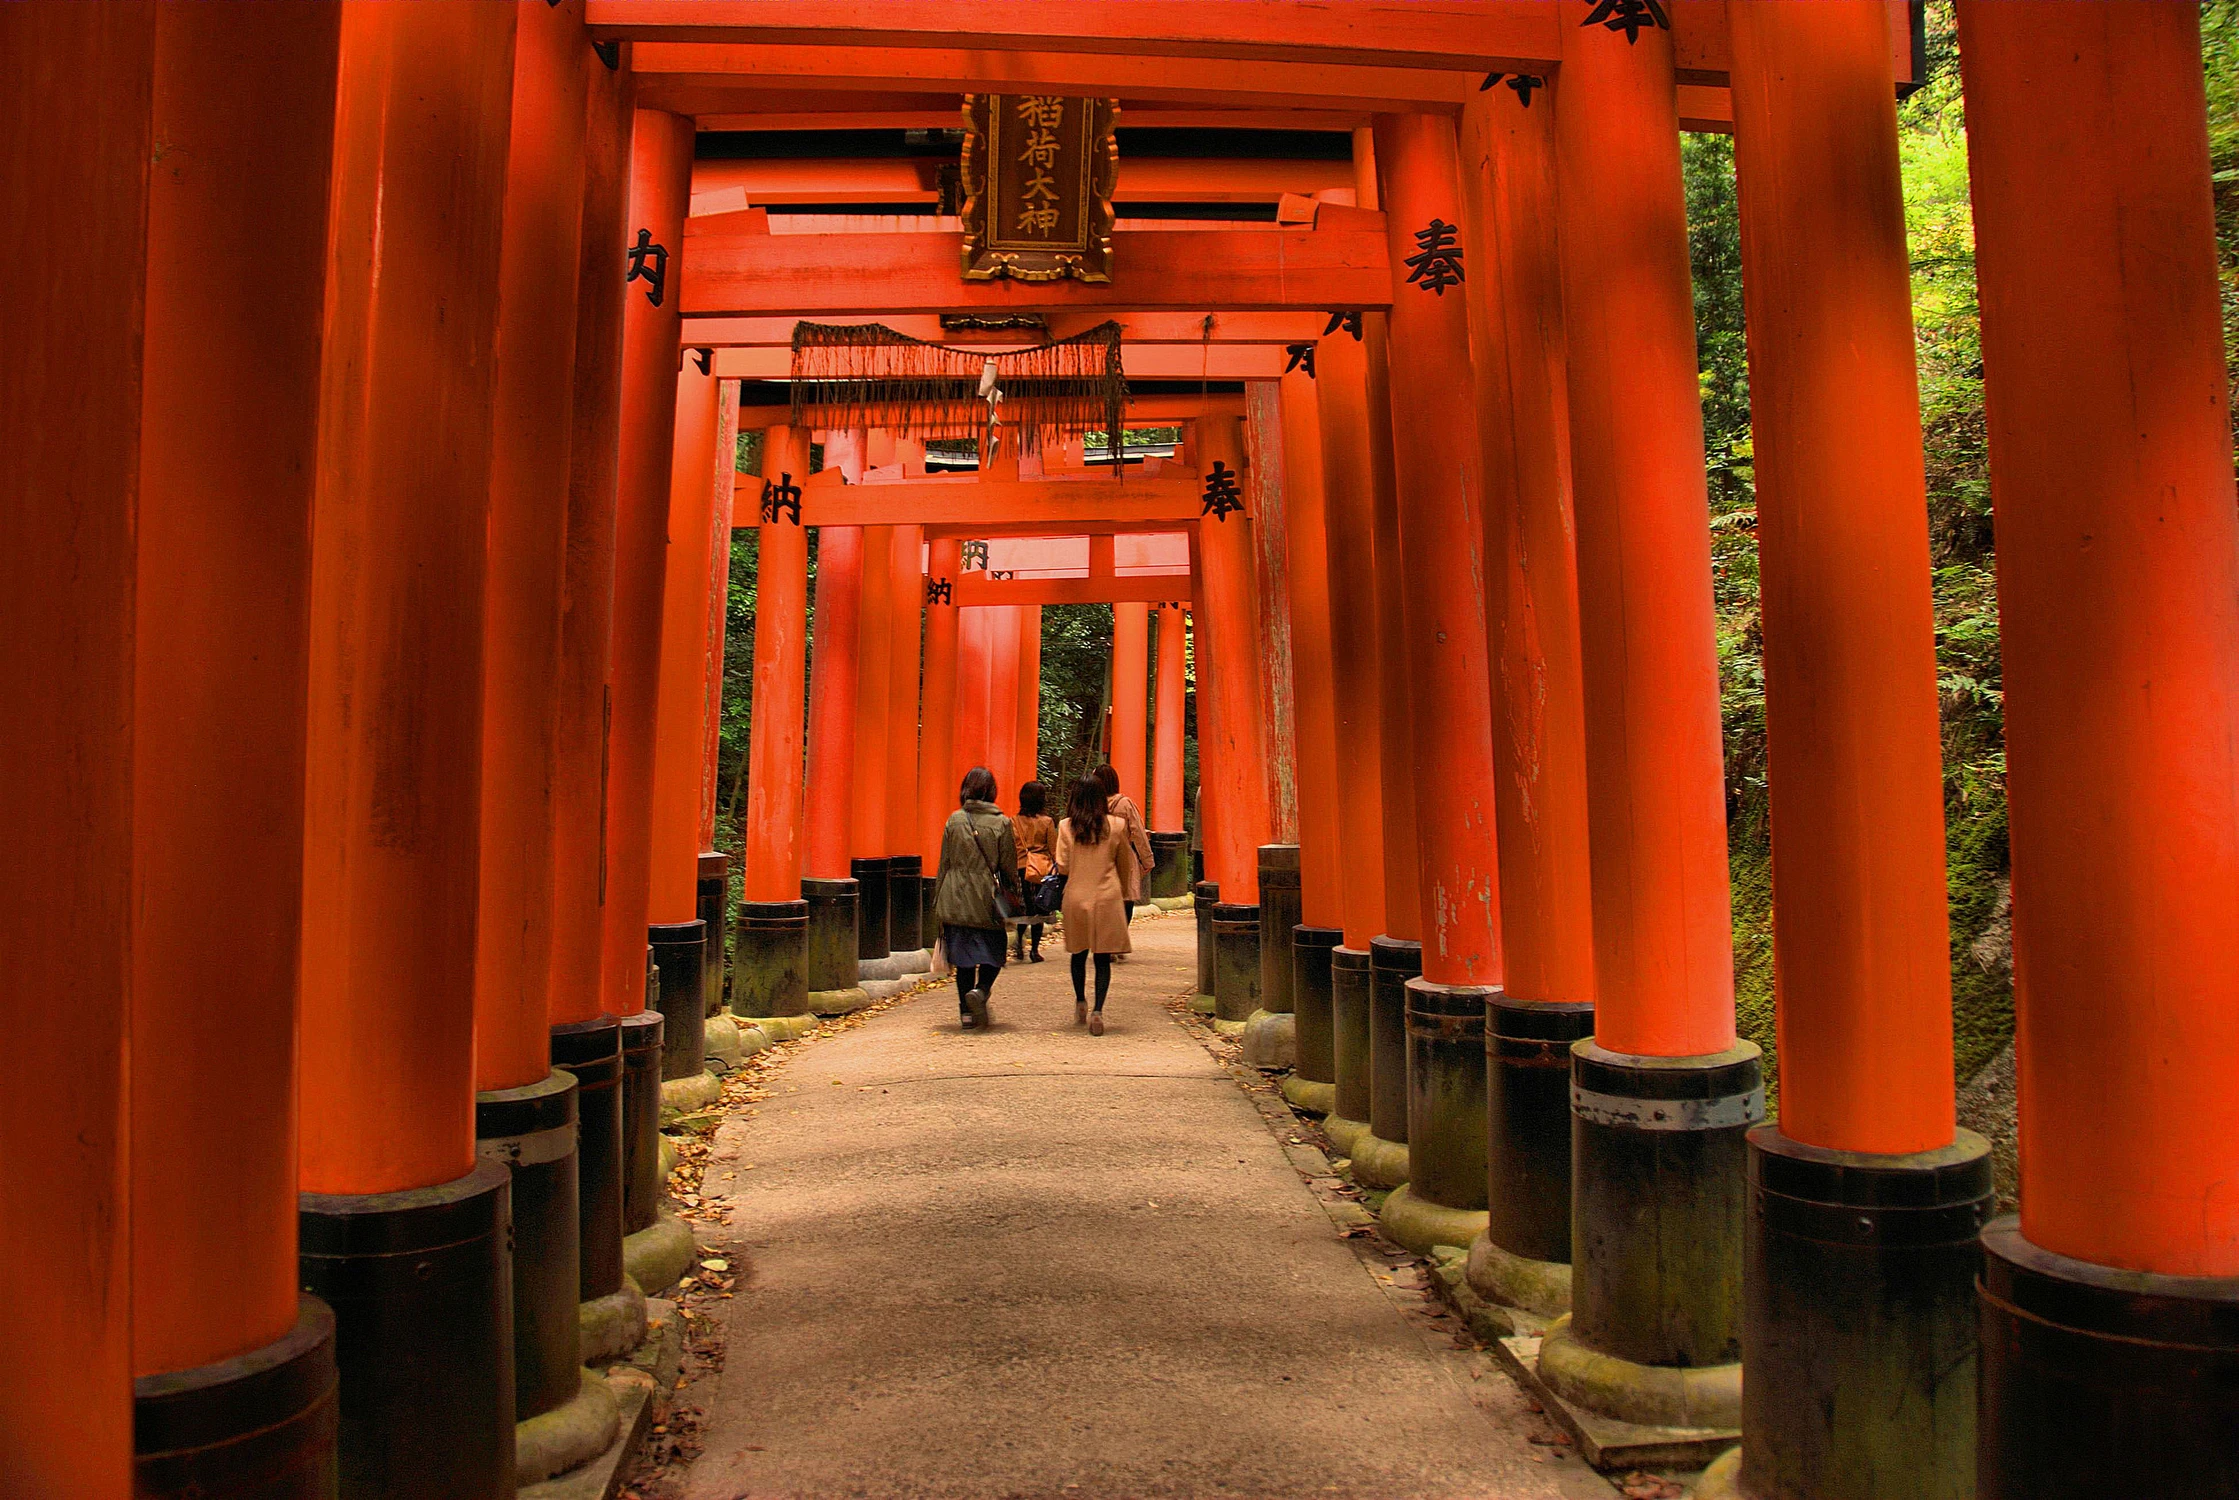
pixel 1392 962
pixel 1446 1092
pixel 680 953
pixel 259 1426
pixel 905 893
pixel 833 960
pixel 1527 1109
pixel 421 1283
pixel 713 895
pixel 1348 1009
pixel 1206 895
pixel 591 1051
pixel 2100 1383
pixel 1237 969
pixel 1311 969
pixel 1659 1194
pixel 531 1132
pixel 1280 910
pixel 1859 1325
pixel 770 959
pixel 641 1119
pixel 1169 875
pixel 871 893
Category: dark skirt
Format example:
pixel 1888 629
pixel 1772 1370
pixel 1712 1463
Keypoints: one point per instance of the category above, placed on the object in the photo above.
pixel 972 947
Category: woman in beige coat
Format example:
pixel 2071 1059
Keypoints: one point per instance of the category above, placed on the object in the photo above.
pixel 1096 858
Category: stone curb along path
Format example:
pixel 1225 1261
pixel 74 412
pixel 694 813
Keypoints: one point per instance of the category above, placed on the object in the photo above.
pixel 1029 1262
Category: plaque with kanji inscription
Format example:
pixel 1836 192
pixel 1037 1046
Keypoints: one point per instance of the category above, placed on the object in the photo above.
pixel 1038 176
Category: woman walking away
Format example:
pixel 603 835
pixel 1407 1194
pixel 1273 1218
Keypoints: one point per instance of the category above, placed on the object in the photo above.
pixel 979 872
pixel 1097 861
pixel 1122 807
pixel 1036 833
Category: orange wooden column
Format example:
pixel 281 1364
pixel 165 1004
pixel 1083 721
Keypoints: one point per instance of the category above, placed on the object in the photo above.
pixel 1438 471
pixel 1168 811
pixel 874 649
pixel 1320 803
pixel 539 274
pixel 1002 701
pixel 2118 587
pixel 832 698
pixel 904 661
pixel 81 82
pixel 1230 748
pixel 578 994
pixel 679 754
pixel 720 535
pixel 1663 960
pixel 393 808
pixel 1131 670
pixel 1402 871
pixel 1026 750
pixel 773 825
pixel 937 773
pixel 973 639
pixel 660 173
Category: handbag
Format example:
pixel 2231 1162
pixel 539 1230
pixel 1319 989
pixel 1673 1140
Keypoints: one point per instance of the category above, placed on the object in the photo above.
pixel 942 968
pixel 1049 893
pixel 1007 906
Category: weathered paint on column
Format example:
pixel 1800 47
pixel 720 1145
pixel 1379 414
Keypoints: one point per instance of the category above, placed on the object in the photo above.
pixel 874 649
pixel 680 745
pixel 539 273
pixel 1320 804
pixel 1523 412
pixel 2118 592
pixel 395 739
pixel 1438 470
pixel 772 831
pixel 719 534
pixel 1167 811
pixel 660 179
pixel 1131 670
pixel 1231 750
pixel 937 775
pixel 832 688
pixel 1663 939
pixel 594 460
pixel 1274 678
pixel 223 581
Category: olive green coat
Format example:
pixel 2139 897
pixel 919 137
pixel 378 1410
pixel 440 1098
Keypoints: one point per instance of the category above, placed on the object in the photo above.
pixel 964 893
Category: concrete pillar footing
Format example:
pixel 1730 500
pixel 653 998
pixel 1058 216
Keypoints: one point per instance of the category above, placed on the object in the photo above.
pixel 1271 1041
pixel 1703 1397
pixel 1420 1224
pixel 837 1002
pixel 657 1255
pixel 1309 1097
pixel 612 1325
pixel 1722 1480
pixel 1534 1292
pixel 684 1096
pixel 1343 1134
pixel 568 1436
pixel 1378 1163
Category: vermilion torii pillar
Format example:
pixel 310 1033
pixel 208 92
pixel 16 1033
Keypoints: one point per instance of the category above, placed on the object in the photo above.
pixel 392 820
pixel 1026 750
pixel 771 962
pixel 675 927
pixel 874 647
pixel 826 883
pixel 1858 1352
pixel 1167 809
pixel 905 900
pixel 1002 701
pixel 586 1038
pixel 937 775
pixel 660 179
pixel 714 884
pixel 973 640
pixel 525 1110
pixel 1539 728
pixel 1349 521
pixel 1655 1326
pixel 204 638
pixel 1439 469
pixel 2110 1312
pixel 1231 755
pixel 1321 804
pixel 1131 674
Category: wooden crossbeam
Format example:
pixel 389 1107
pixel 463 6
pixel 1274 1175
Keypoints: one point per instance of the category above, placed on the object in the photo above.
pixel 976 589
pixel 902 180
pixel 1142 362
pixel 1187 329
pixel 1142 411
pixel 1063 507
pixel 1340 263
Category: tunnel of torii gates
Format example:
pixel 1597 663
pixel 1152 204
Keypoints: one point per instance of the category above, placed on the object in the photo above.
pixel 363 588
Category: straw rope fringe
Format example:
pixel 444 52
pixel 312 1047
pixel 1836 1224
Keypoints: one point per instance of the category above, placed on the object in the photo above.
pixel 849 375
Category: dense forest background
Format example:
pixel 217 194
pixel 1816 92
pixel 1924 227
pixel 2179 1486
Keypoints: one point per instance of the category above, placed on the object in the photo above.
pixel 1076 643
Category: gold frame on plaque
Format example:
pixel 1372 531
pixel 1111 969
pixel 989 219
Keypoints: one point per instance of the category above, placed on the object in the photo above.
pixel 989 254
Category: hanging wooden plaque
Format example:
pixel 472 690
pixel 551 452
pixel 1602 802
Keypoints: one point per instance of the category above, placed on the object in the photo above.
pixel 1038 176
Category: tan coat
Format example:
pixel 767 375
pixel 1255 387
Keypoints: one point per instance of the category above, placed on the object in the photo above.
pixel 1096 888
pixel 1138 838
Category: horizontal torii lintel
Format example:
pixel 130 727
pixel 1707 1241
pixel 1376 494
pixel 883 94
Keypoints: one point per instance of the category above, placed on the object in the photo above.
pixel 1335 265
pixel 1136 328
pixel 977 589
pixel 1064 507
pixel 1145 362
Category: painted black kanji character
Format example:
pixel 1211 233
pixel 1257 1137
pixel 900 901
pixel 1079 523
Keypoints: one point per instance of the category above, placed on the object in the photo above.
pixel 1438 265
pixel 649 263
pixel 1302 358
pixel 975 555
pixel 1223 496
pixel 937 591
pixel 1521 84
pixel 1349 321
pixel 1628 16
pixel 781 497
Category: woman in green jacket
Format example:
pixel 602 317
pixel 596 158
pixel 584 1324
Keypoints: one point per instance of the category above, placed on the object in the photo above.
pixel 979 858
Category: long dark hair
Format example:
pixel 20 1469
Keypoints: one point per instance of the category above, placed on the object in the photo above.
pixel 979 785
pixel 1033 800
pixel 1108 779
pixel 1086 810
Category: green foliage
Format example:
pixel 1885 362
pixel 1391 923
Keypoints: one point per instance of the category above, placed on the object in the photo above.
pixel 1076 686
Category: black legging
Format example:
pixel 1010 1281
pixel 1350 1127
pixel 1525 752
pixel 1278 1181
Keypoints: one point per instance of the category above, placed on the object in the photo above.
pixel 1103 977
pixel 979 977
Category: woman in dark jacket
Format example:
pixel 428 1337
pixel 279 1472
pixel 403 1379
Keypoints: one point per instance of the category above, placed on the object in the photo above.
pixel 979 856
